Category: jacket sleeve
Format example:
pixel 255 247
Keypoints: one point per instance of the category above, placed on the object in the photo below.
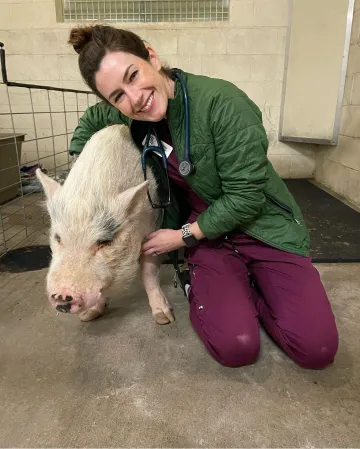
pixel 94 119
pixel 241 162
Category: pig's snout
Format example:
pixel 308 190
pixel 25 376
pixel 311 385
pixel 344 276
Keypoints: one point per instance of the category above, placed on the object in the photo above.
pixel 70 302
pixel 60 297
pixel 63 308
pixel 66 303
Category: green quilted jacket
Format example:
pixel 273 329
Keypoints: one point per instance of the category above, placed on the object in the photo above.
pixel 233 175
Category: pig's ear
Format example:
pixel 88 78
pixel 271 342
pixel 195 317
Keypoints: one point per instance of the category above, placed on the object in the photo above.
pixel 130 201
pixel 50 186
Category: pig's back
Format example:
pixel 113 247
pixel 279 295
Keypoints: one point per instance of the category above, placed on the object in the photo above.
pixel 109 164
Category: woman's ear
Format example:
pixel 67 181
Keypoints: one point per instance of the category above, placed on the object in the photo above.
pixel 154 58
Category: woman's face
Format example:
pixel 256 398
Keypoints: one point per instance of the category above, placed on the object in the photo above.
pixel 136 87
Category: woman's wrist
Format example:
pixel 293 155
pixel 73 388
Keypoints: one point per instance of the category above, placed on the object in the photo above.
pixel 196 231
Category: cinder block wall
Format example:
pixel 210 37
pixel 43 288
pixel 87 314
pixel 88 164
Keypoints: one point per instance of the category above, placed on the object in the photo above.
pixel 248 50
pixel 339 167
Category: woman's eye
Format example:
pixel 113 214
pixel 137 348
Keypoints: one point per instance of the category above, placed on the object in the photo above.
pixel 118 97
pixel 133 75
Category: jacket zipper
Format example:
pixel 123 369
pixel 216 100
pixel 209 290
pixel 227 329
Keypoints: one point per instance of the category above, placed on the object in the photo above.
pixel 282 206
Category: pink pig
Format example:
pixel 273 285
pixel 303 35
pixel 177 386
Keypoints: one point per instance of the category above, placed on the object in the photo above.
pixel 100 217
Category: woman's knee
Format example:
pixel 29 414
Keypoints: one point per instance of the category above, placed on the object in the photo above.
pixel 318 353
pixel 239 350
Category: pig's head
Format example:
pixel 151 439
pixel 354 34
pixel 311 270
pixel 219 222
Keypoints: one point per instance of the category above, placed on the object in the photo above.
pixel 95 242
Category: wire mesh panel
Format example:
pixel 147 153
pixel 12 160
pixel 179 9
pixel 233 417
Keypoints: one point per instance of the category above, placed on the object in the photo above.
pixel 145 10
pixel 36 126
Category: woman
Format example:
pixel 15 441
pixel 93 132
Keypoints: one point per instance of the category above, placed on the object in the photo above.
pixel 245 238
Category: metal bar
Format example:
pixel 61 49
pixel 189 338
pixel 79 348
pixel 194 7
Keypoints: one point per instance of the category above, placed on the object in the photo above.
pixel 2 231
pixel 18 243
pixel 305 140
pixel 8 168
pixel 46 137
pixel 35 86
pixel 40 112
pixel 15 212
pixel 35 132
pixel 52 132
pixel 17 151
pixel 3 63
pixel 59 166
pixel 77 106
pixel 67 134
pixel 22 230
pixel 27 205
pixel 9 185
pixel 11 203
pixel 17 224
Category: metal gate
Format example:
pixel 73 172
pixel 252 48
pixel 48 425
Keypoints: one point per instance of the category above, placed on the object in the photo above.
pixel 36 126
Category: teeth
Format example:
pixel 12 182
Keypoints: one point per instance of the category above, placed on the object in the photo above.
pixel 148 103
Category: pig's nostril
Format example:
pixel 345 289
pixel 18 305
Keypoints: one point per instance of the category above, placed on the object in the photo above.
pixel 63 308
pixel 53 296
pixel 68 298
pixel 60 297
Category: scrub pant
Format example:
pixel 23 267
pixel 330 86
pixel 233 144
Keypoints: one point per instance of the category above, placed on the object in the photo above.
pixel 237 282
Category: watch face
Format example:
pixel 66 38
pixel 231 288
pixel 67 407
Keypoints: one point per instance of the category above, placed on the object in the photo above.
pixel 188 238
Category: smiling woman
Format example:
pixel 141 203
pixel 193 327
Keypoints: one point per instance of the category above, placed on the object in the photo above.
pixel 134 86
pixel 247 246
pixel 123 71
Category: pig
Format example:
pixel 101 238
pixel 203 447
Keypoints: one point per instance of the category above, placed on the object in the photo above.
pixel 99 219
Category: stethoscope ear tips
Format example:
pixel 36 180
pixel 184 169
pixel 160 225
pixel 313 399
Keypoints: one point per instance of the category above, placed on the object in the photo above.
pixel 186 168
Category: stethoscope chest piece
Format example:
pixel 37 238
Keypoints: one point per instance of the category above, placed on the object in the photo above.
pixel 186 168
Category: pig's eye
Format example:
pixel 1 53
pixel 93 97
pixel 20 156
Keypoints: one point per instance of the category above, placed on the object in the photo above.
pixel 105 242
pixel 57 238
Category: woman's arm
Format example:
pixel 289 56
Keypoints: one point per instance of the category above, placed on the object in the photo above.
pixel 94 119
pixel 241 162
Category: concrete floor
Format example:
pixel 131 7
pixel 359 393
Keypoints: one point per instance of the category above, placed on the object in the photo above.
pixel 124 381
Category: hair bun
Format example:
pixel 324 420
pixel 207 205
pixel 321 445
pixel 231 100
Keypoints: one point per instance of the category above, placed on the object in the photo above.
pixel 80 37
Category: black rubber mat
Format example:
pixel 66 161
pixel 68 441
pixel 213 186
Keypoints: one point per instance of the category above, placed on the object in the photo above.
pixel 334 227
pixel 28 258
pixel 334 231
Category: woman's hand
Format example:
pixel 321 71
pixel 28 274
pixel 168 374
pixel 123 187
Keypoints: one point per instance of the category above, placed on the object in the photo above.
pixel 162 241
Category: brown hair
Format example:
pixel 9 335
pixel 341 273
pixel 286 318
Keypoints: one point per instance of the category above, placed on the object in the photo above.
pixel 94 41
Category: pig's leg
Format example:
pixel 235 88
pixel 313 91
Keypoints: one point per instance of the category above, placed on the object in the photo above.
pixel 160 307
pixel 92 313
pixel 95 311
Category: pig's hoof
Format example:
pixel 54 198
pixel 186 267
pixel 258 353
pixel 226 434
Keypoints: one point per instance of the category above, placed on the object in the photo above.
pixel 89 315
pixel 164 316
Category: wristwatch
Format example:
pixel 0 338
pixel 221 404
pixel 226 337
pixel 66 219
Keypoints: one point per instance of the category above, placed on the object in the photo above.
pixel 187 236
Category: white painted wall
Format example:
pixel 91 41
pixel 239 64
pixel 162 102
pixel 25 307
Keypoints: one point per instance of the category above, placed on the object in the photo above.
pixel 339 167
pixel 248 50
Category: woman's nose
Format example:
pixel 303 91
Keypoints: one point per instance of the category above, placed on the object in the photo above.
pixel 135 98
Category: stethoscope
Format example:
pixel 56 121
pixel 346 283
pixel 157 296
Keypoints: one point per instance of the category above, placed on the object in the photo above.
pixel 186 168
